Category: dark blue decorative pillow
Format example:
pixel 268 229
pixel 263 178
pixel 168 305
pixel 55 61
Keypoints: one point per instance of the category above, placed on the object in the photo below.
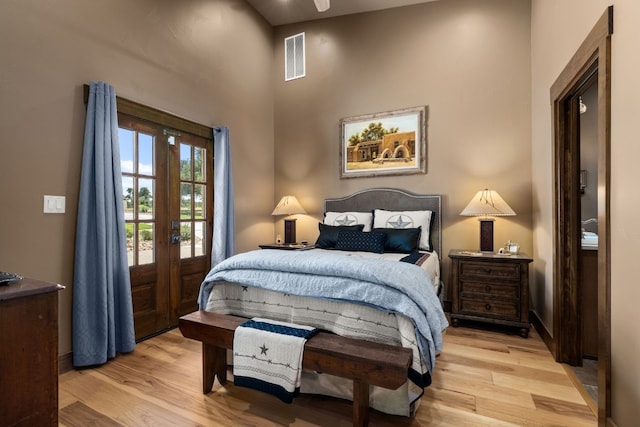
pixel 401 240
pixel 372 241
pixel 329 234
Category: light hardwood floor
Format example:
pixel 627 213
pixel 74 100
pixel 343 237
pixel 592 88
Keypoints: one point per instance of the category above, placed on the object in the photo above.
pixel 482 378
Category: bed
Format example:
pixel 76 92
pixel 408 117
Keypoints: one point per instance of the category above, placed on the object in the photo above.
pixel 381 296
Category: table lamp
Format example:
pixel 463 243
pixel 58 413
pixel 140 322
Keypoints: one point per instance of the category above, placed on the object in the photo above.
pixel 289 205
pixel 485 205
pixel 322 5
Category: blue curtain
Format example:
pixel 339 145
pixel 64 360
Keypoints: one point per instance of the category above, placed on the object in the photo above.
pixel 223 212
pixel 102 306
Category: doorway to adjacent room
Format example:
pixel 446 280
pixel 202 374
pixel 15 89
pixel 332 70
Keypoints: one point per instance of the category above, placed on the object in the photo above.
pixel 591 64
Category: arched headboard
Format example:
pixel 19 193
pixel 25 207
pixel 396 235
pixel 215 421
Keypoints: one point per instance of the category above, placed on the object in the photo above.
pixel 395 200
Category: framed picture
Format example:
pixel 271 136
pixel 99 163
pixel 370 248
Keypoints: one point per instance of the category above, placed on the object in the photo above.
pixel 389 143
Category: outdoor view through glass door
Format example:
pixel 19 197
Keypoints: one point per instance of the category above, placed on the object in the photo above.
pixel 167 183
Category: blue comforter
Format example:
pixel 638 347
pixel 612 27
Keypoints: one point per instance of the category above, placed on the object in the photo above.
pixel 393 286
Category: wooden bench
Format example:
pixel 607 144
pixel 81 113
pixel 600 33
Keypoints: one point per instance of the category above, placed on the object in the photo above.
pixel 366 363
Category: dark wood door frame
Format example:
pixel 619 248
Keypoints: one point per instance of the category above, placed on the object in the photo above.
pixel 592 58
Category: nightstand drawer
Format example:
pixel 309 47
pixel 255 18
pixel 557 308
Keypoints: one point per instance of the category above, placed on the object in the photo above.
pixel 498 290
pixel 492 270
pixel 490 308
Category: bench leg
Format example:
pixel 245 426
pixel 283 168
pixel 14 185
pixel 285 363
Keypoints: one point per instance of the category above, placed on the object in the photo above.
pixel 214 362
pixel 360 403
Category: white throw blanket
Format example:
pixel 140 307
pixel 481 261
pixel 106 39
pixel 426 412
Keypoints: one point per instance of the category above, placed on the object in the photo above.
pixel 267 356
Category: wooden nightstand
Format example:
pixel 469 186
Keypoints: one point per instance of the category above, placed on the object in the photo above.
pixel 490 288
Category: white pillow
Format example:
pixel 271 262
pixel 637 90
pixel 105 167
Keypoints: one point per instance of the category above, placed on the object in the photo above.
pixel 406 219
pixel 349 218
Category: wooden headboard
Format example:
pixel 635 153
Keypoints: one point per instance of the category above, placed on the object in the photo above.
pixel 394 200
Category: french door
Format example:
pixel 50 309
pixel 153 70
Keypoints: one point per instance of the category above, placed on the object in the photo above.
pixel 167 183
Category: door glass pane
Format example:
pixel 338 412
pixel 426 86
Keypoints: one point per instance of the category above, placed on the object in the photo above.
pixel 185 239
pixel 130 228
pixel 146 243
pixel 200 241
pixel 193 200
pixel 198 164
pixel 199 201
pixel 125 138
pixel 145 154
pixel 185 200
pixel 138 191
pixel 145 198
pixel 185 162
pixel 128 197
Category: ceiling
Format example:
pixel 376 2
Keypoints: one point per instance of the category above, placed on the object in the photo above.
pixel 280 12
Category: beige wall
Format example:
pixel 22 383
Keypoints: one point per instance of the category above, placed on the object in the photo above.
pixel 467 60
pixel 558 28
pixel 208 61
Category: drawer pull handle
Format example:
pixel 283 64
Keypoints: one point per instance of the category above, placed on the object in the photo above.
pixel 487 288
pixel 487 270
pixel 487 306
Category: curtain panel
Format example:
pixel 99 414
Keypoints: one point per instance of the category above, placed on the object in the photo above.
pixel 102 306
pixel 223 245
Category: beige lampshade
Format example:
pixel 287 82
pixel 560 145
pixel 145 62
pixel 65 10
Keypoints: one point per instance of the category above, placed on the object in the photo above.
pixel 487 203
pixel 288 205
pixel 322 5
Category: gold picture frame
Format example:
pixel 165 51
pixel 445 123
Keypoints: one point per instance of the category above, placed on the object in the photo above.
pixel 387 143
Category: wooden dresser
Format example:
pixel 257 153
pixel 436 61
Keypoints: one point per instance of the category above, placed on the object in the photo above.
pixel 490 288
pixel 29 353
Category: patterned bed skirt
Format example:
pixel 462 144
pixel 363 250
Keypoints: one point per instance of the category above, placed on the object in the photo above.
pixel 343 318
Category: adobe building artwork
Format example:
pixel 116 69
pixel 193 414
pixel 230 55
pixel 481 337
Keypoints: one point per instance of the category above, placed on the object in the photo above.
pixel 391 143
pixel 393 147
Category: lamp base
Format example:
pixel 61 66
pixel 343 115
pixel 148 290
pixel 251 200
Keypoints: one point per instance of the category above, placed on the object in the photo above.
pixel 289 231
pixel 486 234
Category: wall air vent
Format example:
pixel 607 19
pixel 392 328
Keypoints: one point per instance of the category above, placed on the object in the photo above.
pixel 294 67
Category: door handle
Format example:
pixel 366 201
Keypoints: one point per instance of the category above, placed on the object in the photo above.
pixel 175 239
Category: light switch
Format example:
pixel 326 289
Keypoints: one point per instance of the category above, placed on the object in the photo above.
pixel 54 204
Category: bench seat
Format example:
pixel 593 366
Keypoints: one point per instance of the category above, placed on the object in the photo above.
pixel 366 363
